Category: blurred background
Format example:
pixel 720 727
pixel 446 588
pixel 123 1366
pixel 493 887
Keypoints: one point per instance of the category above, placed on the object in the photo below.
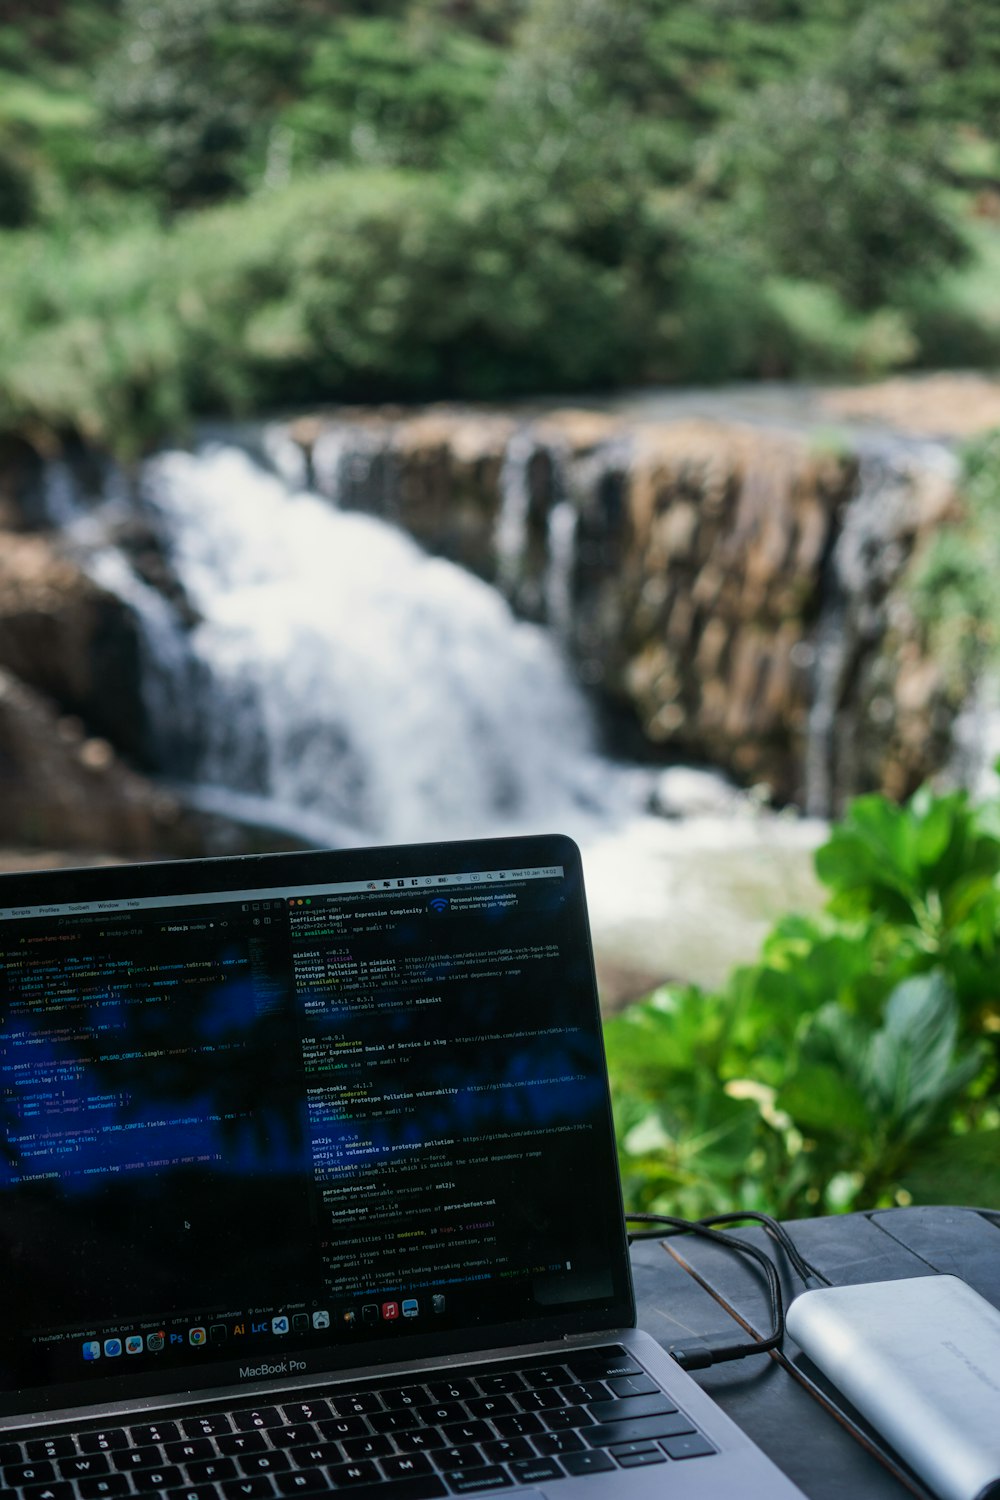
pixel 425 418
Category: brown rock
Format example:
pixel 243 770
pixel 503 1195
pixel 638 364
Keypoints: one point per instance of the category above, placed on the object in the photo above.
pixel 61 794
pixel 70 639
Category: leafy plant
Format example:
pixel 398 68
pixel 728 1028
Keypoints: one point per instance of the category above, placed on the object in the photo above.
pixel 856 1063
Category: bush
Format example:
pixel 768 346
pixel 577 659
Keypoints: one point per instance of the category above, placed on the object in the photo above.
pixel 354 285
pixel 856 1064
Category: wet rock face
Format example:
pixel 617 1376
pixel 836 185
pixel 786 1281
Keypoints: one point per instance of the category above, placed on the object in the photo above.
pixel 69 639
pixel 63 788
pixel 736 595
pixel 69 691
pixel 740 592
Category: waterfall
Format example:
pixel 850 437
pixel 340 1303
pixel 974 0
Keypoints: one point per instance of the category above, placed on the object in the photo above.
pixel 563 518
pixel 339 682
pixel 510 539
pixel 867 559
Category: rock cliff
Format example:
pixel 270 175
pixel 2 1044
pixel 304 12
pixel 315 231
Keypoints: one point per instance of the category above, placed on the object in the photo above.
pixel 739 593
pixel 735 593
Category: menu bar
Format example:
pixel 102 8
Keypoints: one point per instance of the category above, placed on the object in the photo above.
pixel 383 884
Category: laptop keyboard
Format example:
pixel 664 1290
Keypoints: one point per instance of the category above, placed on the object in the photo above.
pixel 485 1428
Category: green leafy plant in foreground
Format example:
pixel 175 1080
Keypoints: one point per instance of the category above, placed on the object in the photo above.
pixel 856 1063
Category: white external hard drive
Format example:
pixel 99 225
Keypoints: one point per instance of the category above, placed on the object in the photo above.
pixel 920 1359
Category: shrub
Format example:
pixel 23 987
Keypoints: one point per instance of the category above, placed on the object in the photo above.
pixel 856 1063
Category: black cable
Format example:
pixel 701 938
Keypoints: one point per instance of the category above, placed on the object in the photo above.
pixel 804 1269
pixel 698 1354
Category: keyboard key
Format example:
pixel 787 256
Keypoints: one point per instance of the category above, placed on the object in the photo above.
pixel 444 1411
pixel 603 1364
pixel 188 1448
pixel 351 1475
pixel 564 1418
pixel 606 1434
pixel 293 1437
pixel 587 1463
pixel 211 1470
pixel 421 1440
pixel 502 1450
pixel 194 1492
pixel 582 1395
pixel 451 1390
pixel 538 1400
pixel 103 1485
pixel 629 1450
pixel 419 1487
pixel 208 1426
pixel 467 1432
pixel 83 1466
pixel 306 1411
pixel 154 1432
pixel 316 1453
pixel 550 1443
pixel 164 1478
pixel 302 1482
pixel 490 1406
pixel 367 1447
pixel 263 1463
pixel 34 1473
pixel 338 1428
pixel 138 1458
pixel 403 1420
pixel 232 1443
pixel 463 1482
pixel 257 1417
pixel 632 1385
pixel 400 1466
pixel 535 1470
pixel 500 1383
pixel 103 1441
pixel 253 1487
pixel 59 1489
pixel 630 1406
pixel 409 1395
pixel 12 1453
pixel 466 1457
pixel 353 1406
pixel 688 1445
pixel 521 1424
pixel 57 1447
pixel 540 1376
pixel 640 1460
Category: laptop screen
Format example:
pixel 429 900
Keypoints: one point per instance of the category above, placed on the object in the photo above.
pixel 291 1113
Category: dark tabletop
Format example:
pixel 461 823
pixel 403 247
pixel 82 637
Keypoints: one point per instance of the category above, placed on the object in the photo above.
pixel 802 1439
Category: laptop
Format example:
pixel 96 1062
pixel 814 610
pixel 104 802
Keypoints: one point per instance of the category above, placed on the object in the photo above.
pixel 309 1185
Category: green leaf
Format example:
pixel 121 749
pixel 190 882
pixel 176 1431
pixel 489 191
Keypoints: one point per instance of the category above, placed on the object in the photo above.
pixel 957 1169
pixel 819 1098
pixel 910 1062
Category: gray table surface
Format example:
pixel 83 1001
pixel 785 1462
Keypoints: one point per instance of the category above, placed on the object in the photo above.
pixel 807 1443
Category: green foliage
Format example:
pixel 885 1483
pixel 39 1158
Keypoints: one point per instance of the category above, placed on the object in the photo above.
pixel 837 174
pixel 669 190
pixel 377 284
pixel 856 1063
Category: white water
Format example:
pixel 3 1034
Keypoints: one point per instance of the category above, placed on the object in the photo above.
pixel 358 688
pixel 341 686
